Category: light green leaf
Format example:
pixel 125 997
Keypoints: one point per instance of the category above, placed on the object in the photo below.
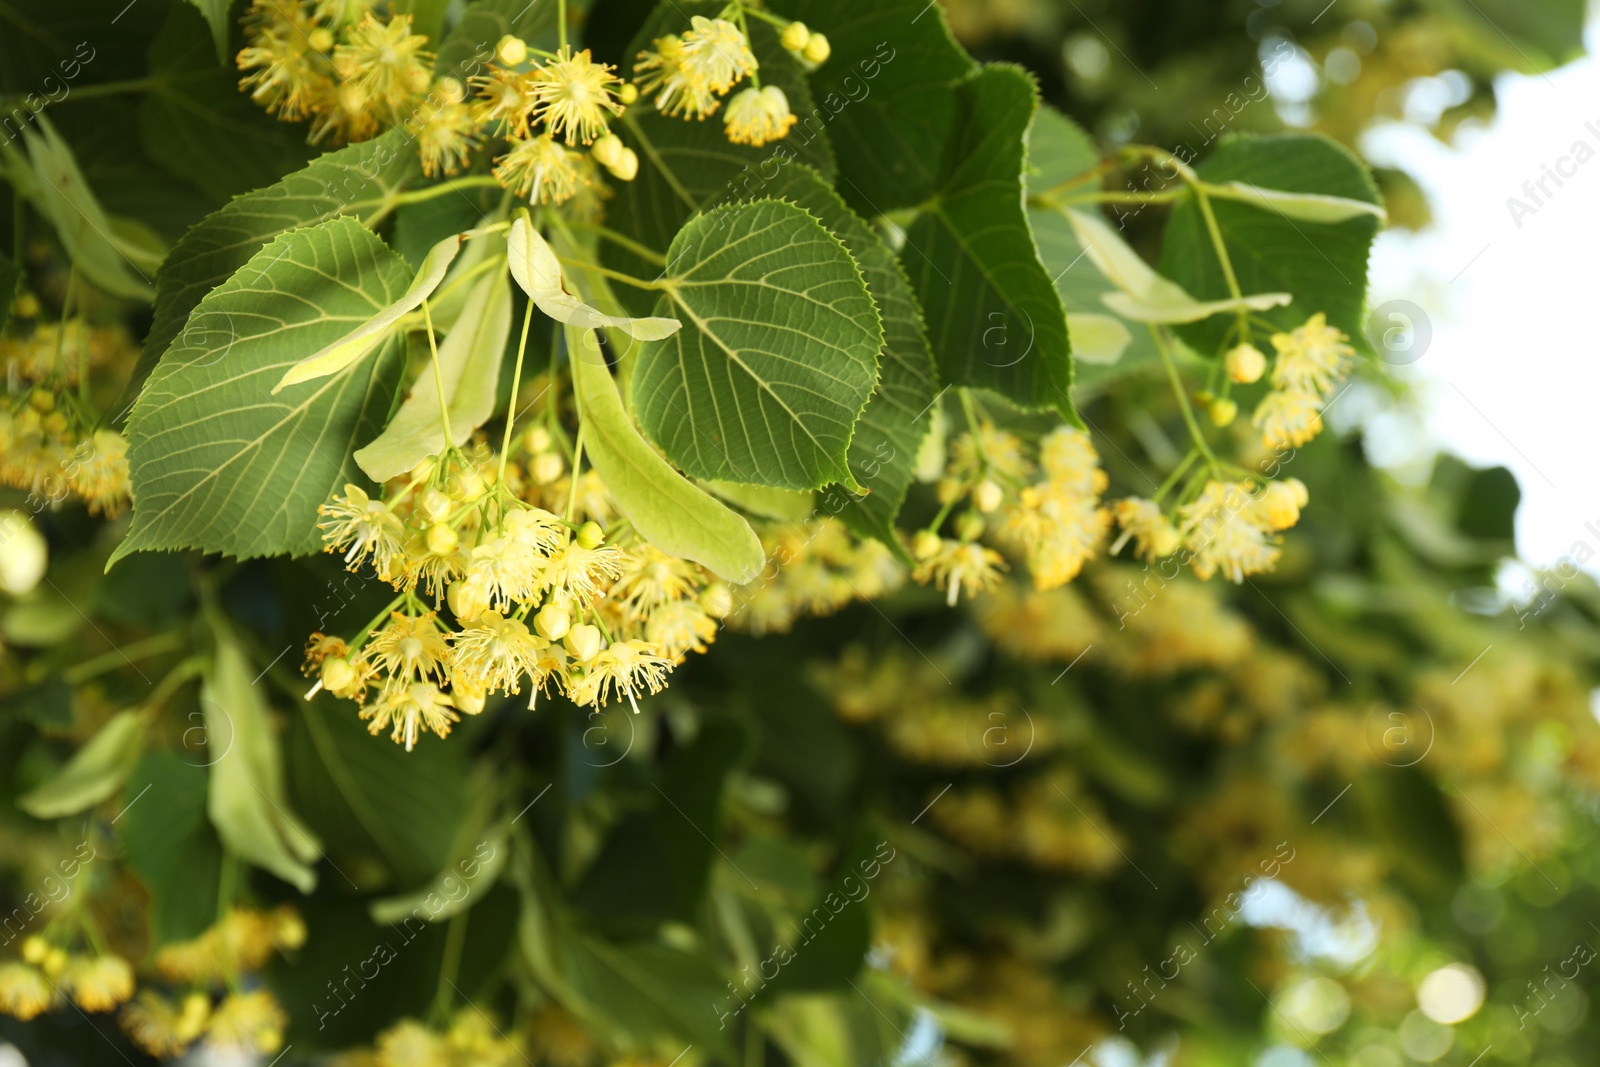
pixel 50 178
pixel 783 505
pixel 537 270
pixel 216 13
pixel 1307 207
pixel 246 801
pixel 1146 296
pixel 993 315
pixel 778 355
pixel 1322 265
pixel 1098 339
pixel 663 506
pixel 361 181
pixel 469 365
pixel 371 334
pixel 94 773
pixel 217 463
pixel 473 869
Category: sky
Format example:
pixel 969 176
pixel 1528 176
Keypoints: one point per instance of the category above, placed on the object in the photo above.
pixel 1505 279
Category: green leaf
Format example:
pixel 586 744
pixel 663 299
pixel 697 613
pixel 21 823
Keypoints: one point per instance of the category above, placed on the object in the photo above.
pixel 469 46
pixel 883 450
pixel 361 181
pixel 247 802
pixel 1322 265
pixel 1143 295
pixel 50 178
pixel 170 844
pixel 778 355
pixel 216 13
pixel 94 773
pixel 663 506
pixel 685 166
pixel 1100 339
pixel 195 122
pixel 371 334
pixel 469 365
pixel 10 283
pixel 782 505
pixel 474 867
pixel 993 315
pixel 220 465
pixel 538 271
pixel 884 96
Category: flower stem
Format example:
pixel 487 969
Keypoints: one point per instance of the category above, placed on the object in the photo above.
pixel 516 381
pixel 605 272
pixel 577 459
pixel 1183 399
pixel 438 379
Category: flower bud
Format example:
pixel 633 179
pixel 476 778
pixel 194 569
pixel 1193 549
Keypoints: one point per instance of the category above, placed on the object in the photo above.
pixel 926 544
pixel 423 470
pixel 1223 412
pixel 627 167
pixel 442 539
pixel 337 675
pixel 1164 540
pixel 551 623
pixel 24 555
pixel 468 599
pixel 320 39
pixel 547 468
pixel 1279 505
pixel 536 439
pixel 193 1016
pixel 1302 495
pixel 1245 364
pixel 817 50
pixel 42 400
pixel 511 51
pixel 26 306
pixel 970 526
pixel 629 93
pixel 987 497
pixel 434 505
pixel 469 699
pixel 56 423
pixel 35 949
pixel 607 152
pixel 583 641
pixel 55 961
pixel 450 90
pixel 717 600
pixel 796 36
pixel 590 535
pixel 467 486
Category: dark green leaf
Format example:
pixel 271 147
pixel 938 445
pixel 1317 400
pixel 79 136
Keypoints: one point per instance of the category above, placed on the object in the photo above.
pixel 170 845
pixel 469 46
pixel 216 14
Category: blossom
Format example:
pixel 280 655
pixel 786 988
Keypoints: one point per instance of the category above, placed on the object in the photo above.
pixel 1288 419
pixel 1070 460
pixel 250 1022
pixel 1145 523
pixel 573 95
pixel 24 992
pixel 1226 533
pixel 364 527
pixel 406 708
pixel 385 62
pixel 962 568
pixel 162 1028
pixel 1312 359
pixel 678 90
pixel 716 52
pixel 757 116
pixel 410 646
pixel 494 653
pixel 539 169
pixel 98 983
pixel 444 128
pixel 624 668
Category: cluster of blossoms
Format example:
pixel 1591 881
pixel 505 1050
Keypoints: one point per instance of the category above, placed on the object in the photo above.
pixel 48 975
pixel 353 75
pixel 1054 522
pixel 533 598
pixel 688 75
pixel 814 568
pixel 473 1039
pixel 1229 528
pixel 1309 364
pixel 50 445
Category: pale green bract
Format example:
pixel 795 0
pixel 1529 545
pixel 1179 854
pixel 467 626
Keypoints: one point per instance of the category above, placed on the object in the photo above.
pixel 469 365
pixel 668 511
pixel 777 357
pixel 1307 207
pixel 95 772
pixel 217 462
pixel 537 269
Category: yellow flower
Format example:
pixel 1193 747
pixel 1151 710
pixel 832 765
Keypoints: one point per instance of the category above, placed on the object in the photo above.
pixel 1288 419
pixel 1069 460
pixel 385 61
pixel 161 1028
pixel 443 126
pixel 757 116
pixel 573 95
pixel 652 578
pixel 578 572
pixel 364 528
pixel 679 628
pixel 410 1044
pixel 1144 522
pixel 1279 503
pixel 1312 359
pixel 24 992
pixel 1245 364
pixel 99 983
pixel 958 568
pixel 539 169
pixel 407 708
pixel 1058 527
pixel 1003 451
pixel 1225 533
pixel 505 101
pixel 503 571
pixel 410 646
pixel 716 53
pixel 622 669
pixel 287 78
pixel 678 91
pixel 494 653
pixel 251 1022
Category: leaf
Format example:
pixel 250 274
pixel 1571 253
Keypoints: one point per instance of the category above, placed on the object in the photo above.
pixel 994 318
pixel 218 464
pixel 463 881
pixel 360 181
pixel 538 271
pixel 469 46
pixel 246 801
pixel 883 449
pixel 10 284
pixel 663 506
pixel 195 122
pixel 782 505
pixel 1098 338
pixel 368 336
pixel 778 355
pixel 1323 266
pixel 50 178
pixel 94 773
pixel 469 364
pixel 885 97
pixel 216 13
pixel 1306 207
pixel 171 846
pixel 685 166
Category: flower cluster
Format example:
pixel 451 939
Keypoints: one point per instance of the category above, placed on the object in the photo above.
pixel 814 568
pixel 472 1040
pixel 688 76
pixel 1054 523
pixel 1309 364
pixel 48 975
pixel 48 449
pixel 497 592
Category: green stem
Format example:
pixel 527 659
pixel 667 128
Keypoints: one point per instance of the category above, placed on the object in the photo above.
pixel 473 181
pixel 450 965
pixel 1112 197
pixel 438 379
pixel 1177 473
pixel 642 251
pixel 1204 203
pixel 605 272
pixel 1183 398
pixel 356 641
pixel 516 381
pixel 561 22
pixel 577 459
pixel 79 673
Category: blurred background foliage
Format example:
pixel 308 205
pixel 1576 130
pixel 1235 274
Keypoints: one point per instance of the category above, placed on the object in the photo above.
pixel 1344 813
